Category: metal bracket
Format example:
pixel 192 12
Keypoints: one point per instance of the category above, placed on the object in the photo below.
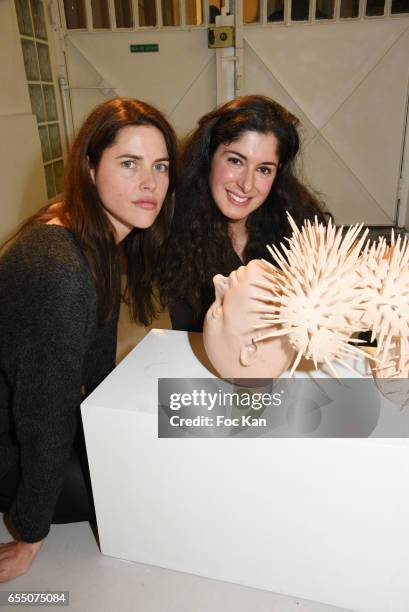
pixel 220 37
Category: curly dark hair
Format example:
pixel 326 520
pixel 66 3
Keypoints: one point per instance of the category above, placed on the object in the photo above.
pixel 200 246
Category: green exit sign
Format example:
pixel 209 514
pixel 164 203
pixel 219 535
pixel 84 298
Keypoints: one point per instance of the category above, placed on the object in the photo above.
pixel 150 48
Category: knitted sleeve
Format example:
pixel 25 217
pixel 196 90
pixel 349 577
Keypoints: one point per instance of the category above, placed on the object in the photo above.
pixel 51 345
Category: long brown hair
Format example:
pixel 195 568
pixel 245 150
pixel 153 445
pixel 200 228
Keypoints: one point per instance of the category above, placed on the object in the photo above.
pixel 81 209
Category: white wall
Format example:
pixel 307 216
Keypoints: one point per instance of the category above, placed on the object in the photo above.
pixel 22 187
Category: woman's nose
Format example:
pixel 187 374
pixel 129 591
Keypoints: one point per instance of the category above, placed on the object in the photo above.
pixel 147 180
pixel 246 180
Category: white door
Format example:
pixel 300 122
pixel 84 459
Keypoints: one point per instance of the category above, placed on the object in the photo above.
pixel 346 78
pixel 179 77
pixel 341 66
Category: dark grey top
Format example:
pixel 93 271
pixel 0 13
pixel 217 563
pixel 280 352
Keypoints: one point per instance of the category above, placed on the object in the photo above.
pixel 182 314
pixel 50 347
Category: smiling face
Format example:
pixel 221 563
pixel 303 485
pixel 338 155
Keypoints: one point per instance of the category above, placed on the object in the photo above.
pixel 229 333
pixel 132 178
pixel 242 173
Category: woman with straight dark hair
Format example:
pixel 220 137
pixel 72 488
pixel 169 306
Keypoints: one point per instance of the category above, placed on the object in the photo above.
pixel 238 184
pixel 59 300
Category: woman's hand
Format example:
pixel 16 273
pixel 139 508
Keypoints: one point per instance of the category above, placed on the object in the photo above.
pixel 16 558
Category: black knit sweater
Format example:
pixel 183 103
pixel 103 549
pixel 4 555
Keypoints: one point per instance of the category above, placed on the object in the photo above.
pixel 50 347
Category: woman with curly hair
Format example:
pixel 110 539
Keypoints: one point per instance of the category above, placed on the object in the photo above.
pixel 238 182
pixel 59 300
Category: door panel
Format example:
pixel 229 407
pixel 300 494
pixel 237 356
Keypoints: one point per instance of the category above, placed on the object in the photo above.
pixel 348 84
pixel 259 79
pixel 367 130
pixel 320 65
pixel 340 188
pixel 180 79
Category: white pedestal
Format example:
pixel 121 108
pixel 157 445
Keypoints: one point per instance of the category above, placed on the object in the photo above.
pixel 322 519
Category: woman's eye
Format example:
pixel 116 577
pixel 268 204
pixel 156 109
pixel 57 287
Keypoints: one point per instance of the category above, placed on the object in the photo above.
pixel 161 167
pixel 235 161
pixel 128 163
pixel 265 170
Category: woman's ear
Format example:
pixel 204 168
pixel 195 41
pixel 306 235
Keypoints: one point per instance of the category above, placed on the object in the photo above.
pixel 249 353
pixel 91 170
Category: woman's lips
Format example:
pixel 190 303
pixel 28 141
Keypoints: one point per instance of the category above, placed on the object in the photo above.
pixel 146 204
pixel 237 200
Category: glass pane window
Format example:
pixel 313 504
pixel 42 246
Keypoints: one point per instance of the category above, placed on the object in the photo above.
pixel 100 14
pixel 251 11
pixel 37 102
pixel 24 17
pixel 58 169
pixel 37 11
pixel 400 6
pixel 49 179
pixel 147 13
pixel 275 10
pixel 44 61
pixel 75 14
pixel 375 7
pixel 30 60
pixel 170 12
pixel 300 10
pixel 324 9
pixel 50 102
pixel 37 64
pixel 349 8
pixel 123 14
pixel 45 145
pixel 194 12
pixel 55 140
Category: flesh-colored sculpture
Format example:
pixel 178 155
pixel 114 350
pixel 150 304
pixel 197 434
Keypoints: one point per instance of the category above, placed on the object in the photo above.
pixel 232 343
pixel 312 302
pixel 392 382
pixel 320 298
pixel 384 271
pixel 326 287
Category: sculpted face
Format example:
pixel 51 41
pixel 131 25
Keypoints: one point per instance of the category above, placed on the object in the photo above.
pixel 229 335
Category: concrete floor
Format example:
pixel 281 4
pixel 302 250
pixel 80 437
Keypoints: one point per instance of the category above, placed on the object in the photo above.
pixel 70 560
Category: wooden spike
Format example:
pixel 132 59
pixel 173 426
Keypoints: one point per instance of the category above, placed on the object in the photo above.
pixel 295 363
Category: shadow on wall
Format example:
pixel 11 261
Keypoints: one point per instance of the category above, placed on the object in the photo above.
pixel 23 185
pixel 130 334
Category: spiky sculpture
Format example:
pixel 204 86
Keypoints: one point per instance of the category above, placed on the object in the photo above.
pixel 317 295
pixel 384 272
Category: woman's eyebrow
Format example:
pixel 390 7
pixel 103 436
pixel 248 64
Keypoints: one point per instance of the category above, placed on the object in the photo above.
pixel 266 163
pixel 131 156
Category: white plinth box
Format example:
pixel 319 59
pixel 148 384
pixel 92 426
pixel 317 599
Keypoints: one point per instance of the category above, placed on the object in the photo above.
pixel 321 519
